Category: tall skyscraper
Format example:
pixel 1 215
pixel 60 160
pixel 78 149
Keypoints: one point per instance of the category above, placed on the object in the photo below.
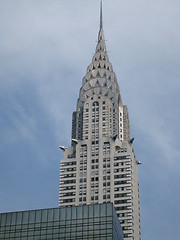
pixel 100 166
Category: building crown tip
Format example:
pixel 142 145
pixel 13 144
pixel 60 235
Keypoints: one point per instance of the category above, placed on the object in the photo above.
pixel 101 34
pixel 101 17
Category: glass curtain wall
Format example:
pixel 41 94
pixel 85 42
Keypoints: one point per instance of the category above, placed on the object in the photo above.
pixel 98 221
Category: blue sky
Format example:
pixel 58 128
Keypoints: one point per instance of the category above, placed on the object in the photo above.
pixel 45 48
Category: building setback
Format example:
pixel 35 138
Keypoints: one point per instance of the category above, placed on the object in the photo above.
pixel 97 221
pixel 100 166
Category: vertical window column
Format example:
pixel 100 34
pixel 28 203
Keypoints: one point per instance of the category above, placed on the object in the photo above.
pixel 83 175
pixel 95 121
pixel 106 172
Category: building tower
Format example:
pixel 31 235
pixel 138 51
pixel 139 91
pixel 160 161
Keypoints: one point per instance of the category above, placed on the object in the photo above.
pixel 100 166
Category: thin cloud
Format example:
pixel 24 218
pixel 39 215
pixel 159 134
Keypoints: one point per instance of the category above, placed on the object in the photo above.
pixel 45 49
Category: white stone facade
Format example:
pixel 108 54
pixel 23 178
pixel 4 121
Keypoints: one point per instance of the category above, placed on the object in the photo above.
pixel 100 166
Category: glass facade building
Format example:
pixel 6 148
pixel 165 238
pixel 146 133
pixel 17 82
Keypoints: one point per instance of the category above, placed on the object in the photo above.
pixel 95 221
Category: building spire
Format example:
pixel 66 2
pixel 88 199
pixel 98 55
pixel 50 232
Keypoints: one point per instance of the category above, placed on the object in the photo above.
pixel 101 34
pixel 101 18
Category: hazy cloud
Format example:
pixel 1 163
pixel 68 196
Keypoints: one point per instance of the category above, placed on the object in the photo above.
pixel 45 48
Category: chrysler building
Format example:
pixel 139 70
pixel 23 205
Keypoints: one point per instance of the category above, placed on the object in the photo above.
pixel 100 165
